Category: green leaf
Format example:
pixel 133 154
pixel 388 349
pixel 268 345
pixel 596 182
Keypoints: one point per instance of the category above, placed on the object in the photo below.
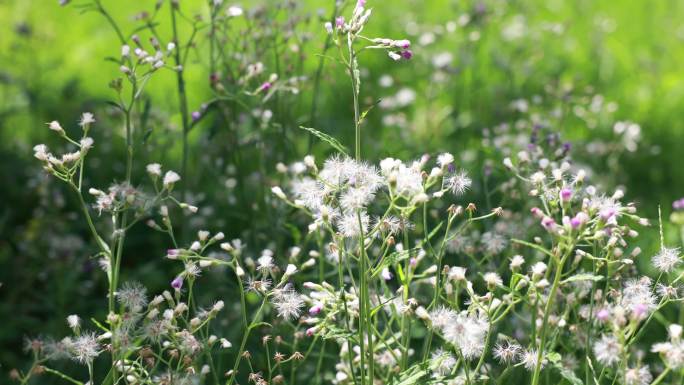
pixel 364 113
pixel 411 376
pixel 583 277
pixel 391 259
pixel 328 139
pixel 568 375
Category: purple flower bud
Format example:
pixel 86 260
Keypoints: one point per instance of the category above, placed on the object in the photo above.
pixel 603 315
pixel 607 213
pixel 413 262
pixel 579 219
pixel 575 223
pixel 640 310
pixel 310 331
pixel 678 204
pixel 177 283
pixel 566 194
pixel 407 54
pixel 566 147
pixel 360 3
pixel 339 22
pixel 265 87
pixel 314 310
pixel 195 116
pixel 548 223
pixel 536 211
pixel 386 274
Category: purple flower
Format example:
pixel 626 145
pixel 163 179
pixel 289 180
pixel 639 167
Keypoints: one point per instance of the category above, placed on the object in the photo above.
pixel 536 211
pixel 360 3
pixel 407 54
pixel 314 310
pixel 678 204
pixel 607 213
pixel 548 223
pixel 603 315
pixel 640 310
pixel 579 220
pixel 339 22
pixel 177 283
pixel 265 87
pixel 195 116
pixel 566 194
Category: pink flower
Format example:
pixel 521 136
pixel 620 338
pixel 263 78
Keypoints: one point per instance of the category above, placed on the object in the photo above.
pixel 603 315
pixel 315 309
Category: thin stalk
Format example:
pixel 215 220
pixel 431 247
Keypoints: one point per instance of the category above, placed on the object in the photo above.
pixel 244 342
pixel 547 311
pixel 362 302
pixel 367 305
pixel 182 97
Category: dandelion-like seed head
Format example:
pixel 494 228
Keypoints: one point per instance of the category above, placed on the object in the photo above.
pixel 667 259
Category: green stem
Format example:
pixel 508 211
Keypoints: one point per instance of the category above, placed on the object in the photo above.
pixel 182 97
pixel 244 342
pixel 661 377
pixel 547 311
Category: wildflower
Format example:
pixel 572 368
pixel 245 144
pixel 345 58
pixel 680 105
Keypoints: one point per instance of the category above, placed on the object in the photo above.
pixel 638 297
pixel 356 198
pixel 74 321
pixel 666 260
pixel 234 11
pixel 565 194
pixel 350 226
pixel 492 280
pixel 83 348
pixel 507 352
pixel 40 151
pixel 493 243
pixel 458 183
pixel 170 178
pixel 177 283
pixel 678 204
pixel 607 350
pixel 538 269
pixel 288 303
pixel 132 296
pixel 457 273
pixel 86 119
pixel 445 159
pixel 441 317
pixel 265 262
pixel 638 376
pixel 86 143
pixel 394 56
pixel 55 126
pixel 516 262
pixel 672 353
pixel 467 332
pixel 530 359
pixel 442 362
